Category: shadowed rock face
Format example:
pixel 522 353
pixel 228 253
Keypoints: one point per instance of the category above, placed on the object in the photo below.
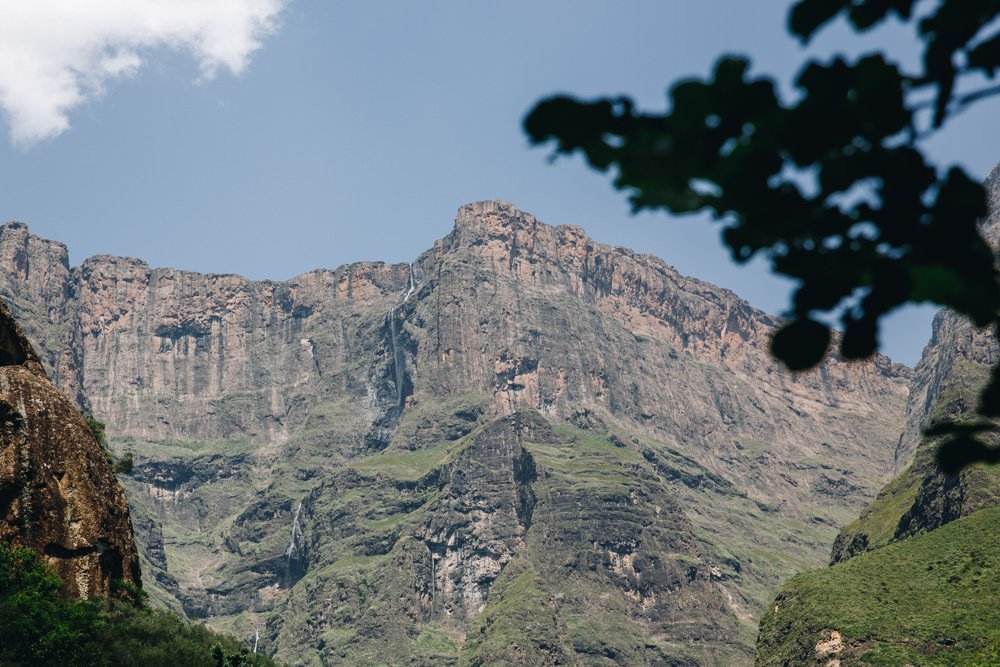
pixel 524 424
pixel 57 492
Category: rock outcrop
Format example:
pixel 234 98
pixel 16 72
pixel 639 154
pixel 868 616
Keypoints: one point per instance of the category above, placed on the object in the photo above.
pixel 522 424
pixel 58 495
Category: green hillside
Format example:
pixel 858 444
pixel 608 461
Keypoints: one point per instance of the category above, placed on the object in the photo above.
pixel 40 627
pixel 933 599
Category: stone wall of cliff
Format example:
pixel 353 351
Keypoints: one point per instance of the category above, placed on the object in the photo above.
pixel 58 495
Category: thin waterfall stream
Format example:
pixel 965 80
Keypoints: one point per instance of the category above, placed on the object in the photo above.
pixel 296 541
pixel 398 362
pixel 411 285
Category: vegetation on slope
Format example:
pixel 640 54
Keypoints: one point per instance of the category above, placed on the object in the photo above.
pixel 608 544
pixel 933 599
pixel 39 627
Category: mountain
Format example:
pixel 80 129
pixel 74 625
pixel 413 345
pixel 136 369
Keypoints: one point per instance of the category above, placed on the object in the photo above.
pixel 58 494
pixel 914 577
pixel 526 447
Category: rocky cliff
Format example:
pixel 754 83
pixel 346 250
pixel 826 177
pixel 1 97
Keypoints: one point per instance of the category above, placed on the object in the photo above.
pixel 938 599
pixel 524 447
pixel 58 495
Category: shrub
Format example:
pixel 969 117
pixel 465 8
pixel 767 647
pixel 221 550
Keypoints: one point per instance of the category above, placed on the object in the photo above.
pixel 124 465
pixel 39 627
pixel 99 429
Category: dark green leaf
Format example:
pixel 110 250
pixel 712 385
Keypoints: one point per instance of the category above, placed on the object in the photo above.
pixel 808 16
pixel 989 399
pixel 963 450
pixel 801 344
pixel 960 428
pixel 986 55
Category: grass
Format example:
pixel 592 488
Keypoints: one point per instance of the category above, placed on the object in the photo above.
pixel 519 614
pixel 323 419
pixel 404 464
pixel 158 449
pixel 441 413
pixel 549 600
pixel 353 563
pixel 388 522
pixel 753 449
pixel 933 599
pixel 435 641
pixel 586 458
pixel 879 520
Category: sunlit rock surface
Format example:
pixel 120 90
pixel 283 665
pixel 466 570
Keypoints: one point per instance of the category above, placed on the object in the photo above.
pixel 58 495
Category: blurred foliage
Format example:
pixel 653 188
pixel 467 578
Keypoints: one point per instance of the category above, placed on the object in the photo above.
pixel 833 186
pixel 40 627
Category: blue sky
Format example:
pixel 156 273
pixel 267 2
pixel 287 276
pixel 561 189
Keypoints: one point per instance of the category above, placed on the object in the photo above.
pixel 353 131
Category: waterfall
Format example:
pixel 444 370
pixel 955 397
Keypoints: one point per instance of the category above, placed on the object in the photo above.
pixel 398 361
pixel 411 285
pixel 293 546
pixel 256 638
pixel 295 555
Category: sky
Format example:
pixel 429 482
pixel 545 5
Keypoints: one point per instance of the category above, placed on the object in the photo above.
pixel 272 137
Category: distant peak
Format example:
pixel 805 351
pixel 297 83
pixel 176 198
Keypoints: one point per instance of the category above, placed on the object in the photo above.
pixel 493 218
pixel 490 211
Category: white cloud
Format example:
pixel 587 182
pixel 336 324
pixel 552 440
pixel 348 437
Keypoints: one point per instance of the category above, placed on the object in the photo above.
pixel 57 54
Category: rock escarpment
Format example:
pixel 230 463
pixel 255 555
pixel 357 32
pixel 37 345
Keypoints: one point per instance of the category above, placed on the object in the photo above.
pixel 58 495
pixel 524 447
pixel 954 368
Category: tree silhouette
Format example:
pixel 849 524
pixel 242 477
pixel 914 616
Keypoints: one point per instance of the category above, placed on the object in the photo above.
pixel 833 187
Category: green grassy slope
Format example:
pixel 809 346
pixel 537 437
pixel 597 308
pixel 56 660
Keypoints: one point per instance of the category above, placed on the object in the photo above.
pixel 612 567
pixel 933 599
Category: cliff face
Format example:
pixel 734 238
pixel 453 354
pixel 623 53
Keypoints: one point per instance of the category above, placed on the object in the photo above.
pixel 953 369
pixel 522 424
pixel 58 495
